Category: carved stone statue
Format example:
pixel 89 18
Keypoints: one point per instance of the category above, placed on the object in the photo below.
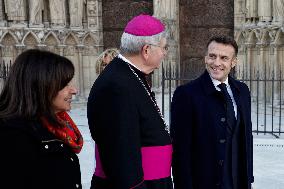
pixel 278 11
pixel 264 11
pixel 35 8
pixel 251 11
pixel 57 12
pixel 15 10
pixel 76 12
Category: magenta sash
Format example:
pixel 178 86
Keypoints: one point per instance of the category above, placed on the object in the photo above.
pixel 156 162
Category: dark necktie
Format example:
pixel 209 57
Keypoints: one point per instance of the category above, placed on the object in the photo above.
pixel 230 113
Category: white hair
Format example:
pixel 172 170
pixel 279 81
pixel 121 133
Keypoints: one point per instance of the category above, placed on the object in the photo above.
pixel 131 44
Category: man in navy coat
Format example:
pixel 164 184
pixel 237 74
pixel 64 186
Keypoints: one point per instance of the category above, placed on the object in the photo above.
pixel 210 128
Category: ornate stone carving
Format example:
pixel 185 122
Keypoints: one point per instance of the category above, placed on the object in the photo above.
pixel 251 11
pixel 51 40
pixel 69 51
pixel 272 34
pixel 19 34
pixel 89 41
pixel 57 13
pixel 258 34
pixel 40 34
pixel 7 51
pixel 30 40
pixel 35 12
pixel 8 40
pixel 15 10
pixel 264 11
pixel 76 12
pixel 278 11
pixel 92 14
pixel 70 40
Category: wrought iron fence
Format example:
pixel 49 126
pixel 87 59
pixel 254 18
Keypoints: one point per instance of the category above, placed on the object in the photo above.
pixel 267 102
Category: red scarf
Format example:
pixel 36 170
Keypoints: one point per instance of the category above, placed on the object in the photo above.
pixel 69 133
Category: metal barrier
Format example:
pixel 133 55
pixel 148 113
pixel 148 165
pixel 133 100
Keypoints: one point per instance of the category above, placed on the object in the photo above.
pixel 267 100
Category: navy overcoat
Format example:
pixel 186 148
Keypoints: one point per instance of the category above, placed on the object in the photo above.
pixel 197 123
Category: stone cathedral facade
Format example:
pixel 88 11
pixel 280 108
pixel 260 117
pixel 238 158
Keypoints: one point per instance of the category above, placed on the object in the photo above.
pixel 81 29
pixel 259 32
pixel 74 29
pixel 70 28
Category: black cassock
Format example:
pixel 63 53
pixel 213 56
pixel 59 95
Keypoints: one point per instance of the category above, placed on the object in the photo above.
pixel 133 147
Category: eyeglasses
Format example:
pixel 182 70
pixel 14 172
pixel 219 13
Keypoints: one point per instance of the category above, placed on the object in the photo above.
pixel 165 48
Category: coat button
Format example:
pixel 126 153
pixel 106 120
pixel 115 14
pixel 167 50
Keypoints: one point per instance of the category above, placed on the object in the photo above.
pixel 222 141
pixel 223 119
pixel 77 185
pixel 71 159
pixel 46 146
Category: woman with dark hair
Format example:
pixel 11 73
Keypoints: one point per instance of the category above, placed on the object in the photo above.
pixel 39 139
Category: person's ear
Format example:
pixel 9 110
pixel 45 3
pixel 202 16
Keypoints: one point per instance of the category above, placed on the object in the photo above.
pixel 145 51
pixel 234 61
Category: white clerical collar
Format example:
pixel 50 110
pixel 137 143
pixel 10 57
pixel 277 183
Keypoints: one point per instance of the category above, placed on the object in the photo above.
pixel 128 61
pixel 216 83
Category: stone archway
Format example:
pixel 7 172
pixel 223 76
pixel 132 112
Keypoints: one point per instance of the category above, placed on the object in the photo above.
pixel 52 43
pixel 30 41
pixel 8 50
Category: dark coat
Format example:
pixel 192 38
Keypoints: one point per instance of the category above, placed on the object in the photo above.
pixel 197 126
pixel 32 158
pixel 122 120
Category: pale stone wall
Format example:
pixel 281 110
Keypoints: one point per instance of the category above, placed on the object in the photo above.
pixel 260 36
pixel 80 40
pixel 167 11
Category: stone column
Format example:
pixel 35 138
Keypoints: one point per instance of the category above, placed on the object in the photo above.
pixel 82 94
pixel 248 59
pixel 167 11
pixel 2 20
pixel 264 12
pixel 61 49
pixel 260 72
pixel 19 49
